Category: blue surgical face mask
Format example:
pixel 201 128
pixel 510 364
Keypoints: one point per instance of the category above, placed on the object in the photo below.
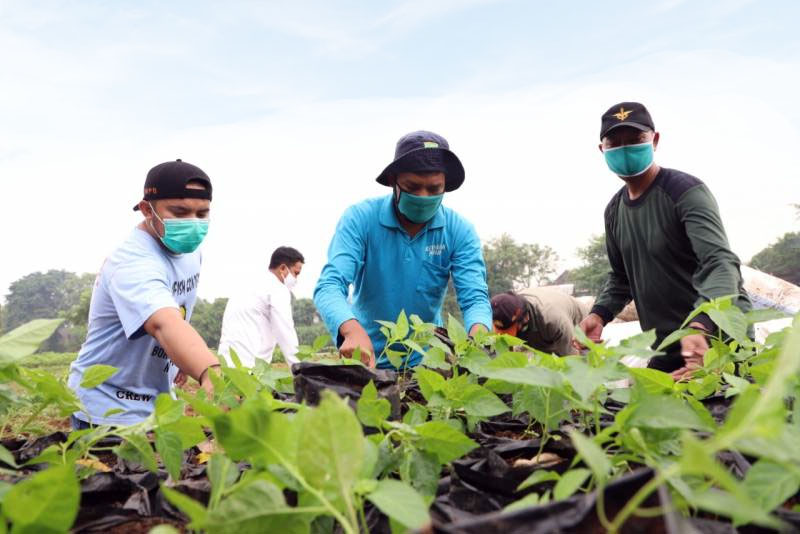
pixel 418 209
pixel 629 160
pixel 182 235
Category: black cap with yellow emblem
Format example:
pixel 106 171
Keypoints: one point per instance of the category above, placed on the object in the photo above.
pixel 168 180
pixel 631 114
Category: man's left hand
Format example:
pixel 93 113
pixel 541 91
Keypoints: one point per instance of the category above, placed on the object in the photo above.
pixel 477 327
pixel 693 348
pixel 180 379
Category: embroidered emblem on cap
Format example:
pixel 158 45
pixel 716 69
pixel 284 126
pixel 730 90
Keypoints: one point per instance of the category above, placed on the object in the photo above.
pixel 430 144
pixel 622 114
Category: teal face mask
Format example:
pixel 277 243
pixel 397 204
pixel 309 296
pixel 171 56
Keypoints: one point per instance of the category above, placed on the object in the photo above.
pixel 418 209
pixel 629 160
pixel 182 235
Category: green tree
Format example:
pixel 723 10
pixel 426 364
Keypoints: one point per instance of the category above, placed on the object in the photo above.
pixel 511 265
pixel 781 259
pixel 43 295
pixel 591 275
pixel 304 312
pixel 207 320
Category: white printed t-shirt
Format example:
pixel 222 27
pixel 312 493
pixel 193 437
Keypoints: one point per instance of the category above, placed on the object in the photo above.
pixel 136 280
pixel 255 321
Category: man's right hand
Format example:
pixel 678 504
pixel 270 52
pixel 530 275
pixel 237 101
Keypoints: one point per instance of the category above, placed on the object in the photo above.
pixel 592 326
pixel 356 337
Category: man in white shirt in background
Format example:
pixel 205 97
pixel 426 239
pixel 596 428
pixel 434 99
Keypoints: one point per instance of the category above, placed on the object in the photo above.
pixel 255 321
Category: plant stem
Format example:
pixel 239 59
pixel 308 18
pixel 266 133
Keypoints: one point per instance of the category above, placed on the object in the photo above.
pixel 640 496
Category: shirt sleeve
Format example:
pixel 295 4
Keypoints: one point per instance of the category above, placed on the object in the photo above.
pixel 616 292
pixel 281 319
pixel 469 279
pixel 717 274
pixel 346 255
pixel 138 290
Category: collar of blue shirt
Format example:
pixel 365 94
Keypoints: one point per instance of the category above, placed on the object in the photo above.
pixel 388 217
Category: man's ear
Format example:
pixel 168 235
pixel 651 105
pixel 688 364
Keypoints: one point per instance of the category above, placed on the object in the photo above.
pixel 600 147
pixel 656 137
pixel 144 207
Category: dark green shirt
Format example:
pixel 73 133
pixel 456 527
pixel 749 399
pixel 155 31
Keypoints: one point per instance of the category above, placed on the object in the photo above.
pixel 669 253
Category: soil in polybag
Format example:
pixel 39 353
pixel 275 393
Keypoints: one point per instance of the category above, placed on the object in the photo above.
pixel 311 379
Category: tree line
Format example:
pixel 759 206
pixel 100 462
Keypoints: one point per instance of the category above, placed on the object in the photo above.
pixel 510 265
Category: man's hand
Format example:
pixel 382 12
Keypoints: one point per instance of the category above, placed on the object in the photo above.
pixel 180 379
pixel 592 326
pixel 356 337
pixel 477 327
pixel 693 348
pixel 205 380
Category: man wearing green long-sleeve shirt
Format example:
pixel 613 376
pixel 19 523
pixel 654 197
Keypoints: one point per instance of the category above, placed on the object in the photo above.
pixel 665 242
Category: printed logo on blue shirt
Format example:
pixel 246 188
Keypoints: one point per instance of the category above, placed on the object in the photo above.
pixel 435 250
pixel 182 287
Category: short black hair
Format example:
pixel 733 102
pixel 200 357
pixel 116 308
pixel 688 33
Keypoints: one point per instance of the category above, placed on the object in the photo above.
pixel 285 256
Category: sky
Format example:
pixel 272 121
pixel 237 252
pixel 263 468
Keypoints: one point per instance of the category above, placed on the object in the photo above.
pixel 293 109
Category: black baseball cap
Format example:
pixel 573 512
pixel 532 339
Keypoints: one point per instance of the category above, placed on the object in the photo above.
pixel 631 114
pixel 424 151
pixel 168 180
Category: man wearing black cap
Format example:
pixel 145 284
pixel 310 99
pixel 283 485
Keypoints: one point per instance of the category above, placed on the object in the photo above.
pixel 543 317
pixel 665 242
pixel 142 301
pixel 399 252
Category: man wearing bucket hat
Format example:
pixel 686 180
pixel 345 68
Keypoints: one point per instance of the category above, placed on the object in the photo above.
pixel 142 302
pixel 665 242
pixel 400 250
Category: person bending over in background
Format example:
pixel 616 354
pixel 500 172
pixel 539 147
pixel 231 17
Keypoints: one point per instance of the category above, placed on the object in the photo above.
pixel 665 242
pixel 543 317
pixel 399 251
pixel 142 302
pixel 255 321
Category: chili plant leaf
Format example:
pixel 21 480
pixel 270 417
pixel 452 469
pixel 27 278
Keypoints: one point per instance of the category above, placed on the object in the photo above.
pixel 421 470
pixel 480 402
pixel 330 449
pixel 25 339
pixel 652 381
pixel 528 376
pixel 371 410
pixel 136 448
pixel 416 414
pixel 770 484
pixel 222 473
pixel 675 336
pixel 429 382
pixel 665 412
pixel 97 374
pixel 455 331
pixel 46 502
pixel 169 447
pixel 570 482
pixel 592 455
pixel 444 441
pixel 537 477
pixel 400 502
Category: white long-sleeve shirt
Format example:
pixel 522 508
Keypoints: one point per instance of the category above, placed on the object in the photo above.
pixel 254 322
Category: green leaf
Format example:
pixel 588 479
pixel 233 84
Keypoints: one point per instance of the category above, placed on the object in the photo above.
pixel 222 473
pixel 46 502
pixel 677 335
pixel 97 374
pixel 113 411
pixel 136 448
pixel 537 477
pixel 25 339
pixel 195 511
pixel 254 433
pixel 168 445
pixel 764 314
pixel 330 449
pixel 665 412
pixel 652 381
pixel 421 470
pixel 771 484
pixel 371 410
pixel 435 358
pixel 320 342
pixel 429 382
pixel 455 331
pixel 163 529
pixel 259 507
pixel 529 376
pixel 400 502
pixel 416 414
pixel 480 402
pixel 402 325
pixel 737 384
pixel 6 457
pixel 570 482
pixel 593 456
pixel 732 321
pixel 444 441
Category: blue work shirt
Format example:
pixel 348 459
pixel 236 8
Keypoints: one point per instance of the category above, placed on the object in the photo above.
pixel 391 271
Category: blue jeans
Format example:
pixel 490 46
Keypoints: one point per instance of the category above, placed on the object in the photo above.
pixel 79 424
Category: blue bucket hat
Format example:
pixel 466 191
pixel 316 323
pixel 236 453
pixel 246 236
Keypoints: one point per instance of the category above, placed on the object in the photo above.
pixel 423 151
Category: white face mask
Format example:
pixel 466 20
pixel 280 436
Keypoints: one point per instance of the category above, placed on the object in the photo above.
pixel 290 281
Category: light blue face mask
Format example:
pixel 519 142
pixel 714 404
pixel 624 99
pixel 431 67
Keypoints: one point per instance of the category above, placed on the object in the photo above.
pixel 629 160
pixel 418 209
pixel 182 236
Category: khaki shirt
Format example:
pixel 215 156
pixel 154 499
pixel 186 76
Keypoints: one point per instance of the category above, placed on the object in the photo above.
pixel 553 317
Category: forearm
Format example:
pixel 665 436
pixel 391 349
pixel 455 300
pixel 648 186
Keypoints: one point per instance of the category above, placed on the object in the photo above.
pixel 614 296
pixel 185 348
